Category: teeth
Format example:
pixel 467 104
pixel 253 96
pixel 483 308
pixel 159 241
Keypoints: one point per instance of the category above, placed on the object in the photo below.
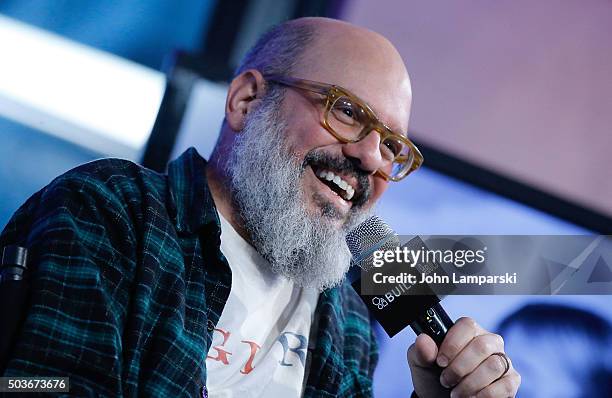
pixel 349 191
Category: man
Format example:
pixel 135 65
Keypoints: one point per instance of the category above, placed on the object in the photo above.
pixel 226 278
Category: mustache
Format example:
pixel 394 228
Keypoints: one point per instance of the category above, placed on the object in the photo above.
pixel 342 165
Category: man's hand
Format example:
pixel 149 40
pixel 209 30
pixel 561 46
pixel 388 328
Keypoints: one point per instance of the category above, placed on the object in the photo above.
pixel 464 366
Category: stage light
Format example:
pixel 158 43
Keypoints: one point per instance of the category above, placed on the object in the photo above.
pixel 81 94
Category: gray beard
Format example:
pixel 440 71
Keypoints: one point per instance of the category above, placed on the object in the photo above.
pixel 266 183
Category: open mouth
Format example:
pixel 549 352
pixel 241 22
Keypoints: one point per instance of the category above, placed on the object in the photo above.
pixel 336 183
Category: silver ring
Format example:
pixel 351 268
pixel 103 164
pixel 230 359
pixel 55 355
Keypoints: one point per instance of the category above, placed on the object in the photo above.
pixel 506 361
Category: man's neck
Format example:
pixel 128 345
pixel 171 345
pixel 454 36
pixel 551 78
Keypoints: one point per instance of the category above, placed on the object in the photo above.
pixel 219 185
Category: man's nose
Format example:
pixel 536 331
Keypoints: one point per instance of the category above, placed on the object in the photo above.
pixel 366 152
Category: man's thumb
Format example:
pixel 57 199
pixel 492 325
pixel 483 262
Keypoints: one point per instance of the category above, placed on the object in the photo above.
pixel 422 352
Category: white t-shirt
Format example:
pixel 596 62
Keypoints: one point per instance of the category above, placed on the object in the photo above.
pixel 260 343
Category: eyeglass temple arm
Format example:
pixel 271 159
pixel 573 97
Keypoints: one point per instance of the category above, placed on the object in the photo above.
pixel 309 85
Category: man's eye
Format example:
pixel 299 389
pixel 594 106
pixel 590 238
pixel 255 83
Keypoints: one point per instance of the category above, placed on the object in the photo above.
pixel 348 111
pixel 345 110
pixel 392 148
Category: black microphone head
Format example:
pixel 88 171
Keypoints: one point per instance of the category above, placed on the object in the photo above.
pixel 371 235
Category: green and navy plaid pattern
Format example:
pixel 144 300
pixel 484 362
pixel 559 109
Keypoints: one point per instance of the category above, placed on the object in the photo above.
pixel 128 283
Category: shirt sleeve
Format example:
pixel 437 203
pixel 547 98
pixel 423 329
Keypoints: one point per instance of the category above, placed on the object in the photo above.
pixel 80 252
pixel 373 353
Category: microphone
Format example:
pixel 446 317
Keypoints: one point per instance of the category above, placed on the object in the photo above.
pixel 393 310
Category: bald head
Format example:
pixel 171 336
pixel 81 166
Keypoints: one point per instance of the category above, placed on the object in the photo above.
pixel 337 52
pixel 336 41
pixel 360 60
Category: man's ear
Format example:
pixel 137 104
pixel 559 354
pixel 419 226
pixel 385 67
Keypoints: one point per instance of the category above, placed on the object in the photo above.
pixel 244 92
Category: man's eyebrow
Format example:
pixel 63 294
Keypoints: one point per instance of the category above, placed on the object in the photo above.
pixel 403 133
pixel 362 100
pixel 393 128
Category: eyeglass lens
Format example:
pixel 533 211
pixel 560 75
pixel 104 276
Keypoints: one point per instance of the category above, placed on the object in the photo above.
pixel 352 122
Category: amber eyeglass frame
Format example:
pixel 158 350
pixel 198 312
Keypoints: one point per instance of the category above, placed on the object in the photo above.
pixel 332 93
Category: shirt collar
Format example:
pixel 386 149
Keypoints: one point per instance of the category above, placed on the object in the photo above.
pixel 189 189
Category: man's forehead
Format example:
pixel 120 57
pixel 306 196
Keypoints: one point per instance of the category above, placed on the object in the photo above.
pixel 366 64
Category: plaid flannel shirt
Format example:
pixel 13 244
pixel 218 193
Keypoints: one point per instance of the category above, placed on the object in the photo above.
pixel 129 282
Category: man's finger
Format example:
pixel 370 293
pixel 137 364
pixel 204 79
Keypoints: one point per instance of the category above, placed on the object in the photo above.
pixel 458 337
pixel 507 386
pixel 489 372
pixel 479 349
pixel 423 352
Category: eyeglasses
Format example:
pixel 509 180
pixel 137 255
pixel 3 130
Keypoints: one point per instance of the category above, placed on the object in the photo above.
pixel 350 119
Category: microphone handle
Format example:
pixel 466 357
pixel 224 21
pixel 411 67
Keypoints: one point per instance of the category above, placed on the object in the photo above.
pixel 434 322
pixel 14 289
